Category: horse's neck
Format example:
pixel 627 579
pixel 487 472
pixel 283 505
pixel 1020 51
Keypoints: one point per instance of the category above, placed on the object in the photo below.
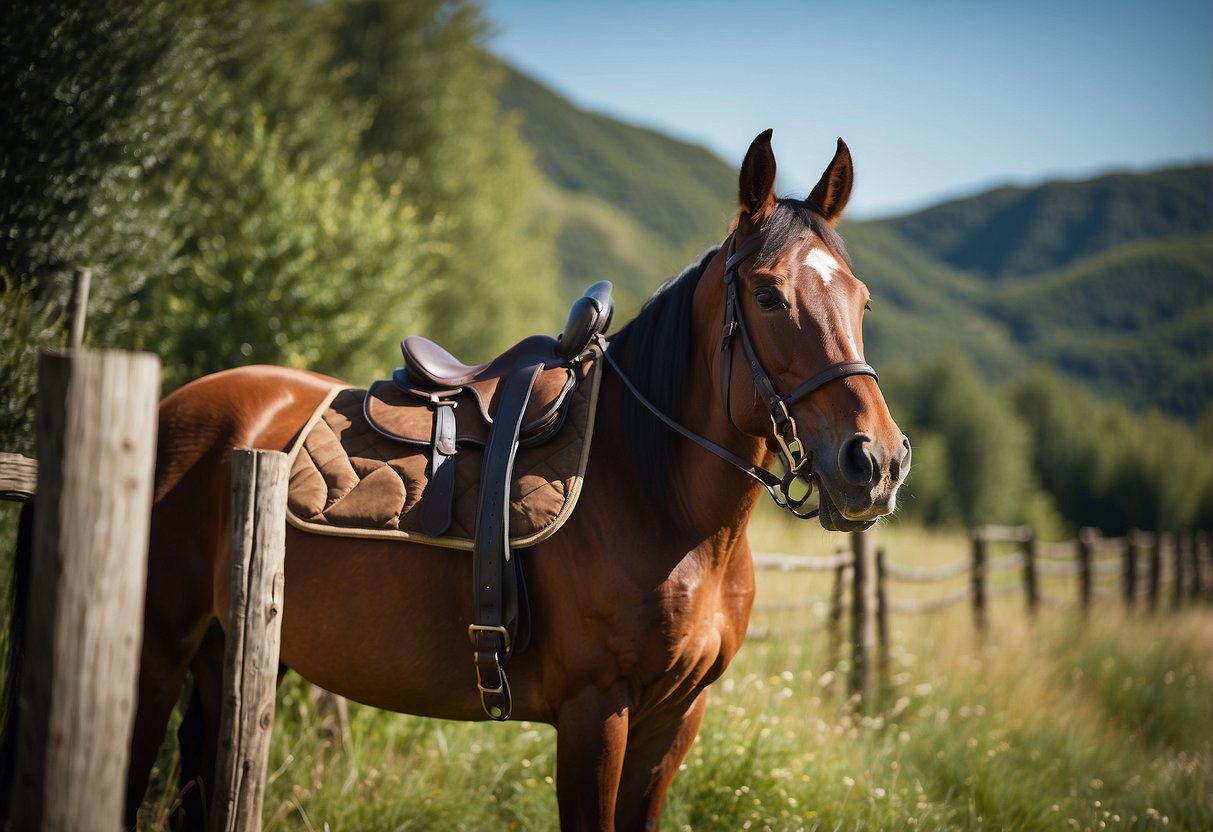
pixel 717 498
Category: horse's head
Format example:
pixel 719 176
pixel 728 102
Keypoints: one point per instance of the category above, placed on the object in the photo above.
pixel 793 365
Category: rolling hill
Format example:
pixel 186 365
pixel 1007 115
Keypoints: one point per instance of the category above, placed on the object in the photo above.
pixel 1109 280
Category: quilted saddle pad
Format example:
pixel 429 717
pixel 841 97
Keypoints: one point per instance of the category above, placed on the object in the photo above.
pixel 351 480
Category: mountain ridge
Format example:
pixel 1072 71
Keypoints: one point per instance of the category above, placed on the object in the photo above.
pixel 1108 279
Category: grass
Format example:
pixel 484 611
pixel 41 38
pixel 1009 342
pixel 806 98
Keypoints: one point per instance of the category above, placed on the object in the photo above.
pixel 1046 725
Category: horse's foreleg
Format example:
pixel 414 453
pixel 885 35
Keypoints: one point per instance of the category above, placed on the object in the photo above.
pixel 591 738
pixel 653 758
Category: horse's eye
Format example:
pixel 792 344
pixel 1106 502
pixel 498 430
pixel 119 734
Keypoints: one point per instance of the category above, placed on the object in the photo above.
pixel 868 305
pixel 769 297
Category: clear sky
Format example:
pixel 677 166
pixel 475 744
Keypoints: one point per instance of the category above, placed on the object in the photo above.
pixel 935 99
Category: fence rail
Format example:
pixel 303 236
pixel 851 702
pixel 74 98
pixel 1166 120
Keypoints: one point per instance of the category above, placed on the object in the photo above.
pixel 1159 568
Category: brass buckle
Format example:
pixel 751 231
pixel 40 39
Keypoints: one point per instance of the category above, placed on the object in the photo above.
pixel 793 451
pixel 490 628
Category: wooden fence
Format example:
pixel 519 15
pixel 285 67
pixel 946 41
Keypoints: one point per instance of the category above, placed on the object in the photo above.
pixel 1145 571
pixel 96 428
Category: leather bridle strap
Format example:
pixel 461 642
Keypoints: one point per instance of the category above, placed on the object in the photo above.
pixel 767 479
pixel 778 403
pixel 783 424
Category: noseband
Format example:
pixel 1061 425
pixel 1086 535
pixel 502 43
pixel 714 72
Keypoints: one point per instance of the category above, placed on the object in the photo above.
pixel 798 462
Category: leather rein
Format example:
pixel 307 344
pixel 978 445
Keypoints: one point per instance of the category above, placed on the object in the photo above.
pixel 799 463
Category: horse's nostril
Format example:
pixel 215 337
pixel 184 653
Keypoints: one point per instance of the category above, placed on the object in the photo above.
pixel 897 466
pixel 855 461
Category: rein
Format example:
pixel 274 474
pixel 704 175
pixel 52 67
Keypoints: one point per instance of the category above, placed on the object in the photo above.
pixel 786 435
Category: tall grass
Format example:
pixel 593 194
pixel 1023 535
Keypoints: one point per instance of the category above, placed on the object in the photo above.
pixel 1047 725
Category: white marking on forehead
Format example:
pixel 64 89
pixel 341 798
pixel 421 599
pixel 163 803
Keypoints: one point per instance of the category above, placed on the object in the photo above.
pixel 822 262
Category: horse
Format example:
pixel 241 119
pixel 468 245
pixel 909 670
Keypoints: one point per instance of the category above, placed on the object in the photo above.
pixel 641 599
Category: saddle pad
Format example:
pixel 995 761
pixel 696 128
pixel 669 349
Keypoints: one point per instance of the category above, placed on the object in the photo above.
pixel 348 479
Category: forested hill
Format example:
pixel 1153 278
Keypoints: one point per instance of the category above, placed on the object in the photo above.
pixel 630 205
pixel 1109 280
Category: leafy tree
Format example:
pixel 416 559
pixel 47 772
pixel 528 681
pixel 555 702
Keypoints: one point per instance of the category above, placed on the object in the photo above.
pixel 283 263
pixel 437 132
pixel 1108 468
pixel 980 448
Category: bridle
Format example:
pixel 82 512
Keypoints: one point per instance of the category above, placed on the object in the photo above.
pixel 798 463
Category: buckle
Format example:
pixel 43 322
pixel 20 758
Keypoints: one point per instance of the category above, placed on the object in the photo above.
pixel 473 629
pixel 792 450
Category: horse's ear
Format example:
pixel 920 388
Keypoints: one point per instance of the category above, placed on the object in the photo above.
pixel 830 196
pixel 757 183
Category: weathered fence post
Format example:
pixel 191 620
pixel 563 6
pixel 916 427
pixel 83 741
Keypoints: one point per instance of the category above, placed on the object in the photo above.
pixel 1129 570
pixel 860 637
pixel 77 313
pixel 1177 554
pixel 1086 546
pixel 835 620
pixel 18 477
pixel 259 480
pixel 96 429
pixel 977 536
pixel 1205 545
pixel 1155 575
pixel 1194 583
pixel 1031 589
pixel 882 622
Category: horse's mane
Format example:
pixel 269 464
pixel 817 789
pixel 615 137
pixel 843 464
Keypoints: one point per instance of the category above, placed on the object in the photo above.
pixel 655 348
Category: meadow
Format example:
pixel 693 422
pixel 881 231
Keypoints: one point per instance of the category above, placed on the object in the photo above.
pixel 1046 725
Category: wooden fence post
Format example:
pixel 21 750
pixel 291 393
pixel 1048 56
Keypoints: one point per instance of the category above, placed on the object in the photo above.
pixel 1155 571
pixel 1031 589
pixel 18 477
pixel 259 480
pixel 1086 545
pixel 1177 554
pixel 96 430
pixel 1194 583
pixel 1204 552
pixel 77 313
pixel 979 581
pixel 882 622
pixel 1129 570
pixel 860 650
pixel 835 620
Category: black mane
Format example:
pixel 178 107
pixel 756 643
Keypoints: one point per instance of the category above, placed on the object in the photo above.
pixel 654 350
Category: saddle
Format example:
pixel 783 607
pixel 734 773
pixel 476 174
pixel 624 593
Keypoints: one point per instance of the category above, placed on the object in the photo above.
pixel 487 457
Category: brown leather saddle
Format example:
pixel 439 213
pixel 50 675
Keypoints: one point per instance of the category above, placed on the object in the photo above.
pixel 469 424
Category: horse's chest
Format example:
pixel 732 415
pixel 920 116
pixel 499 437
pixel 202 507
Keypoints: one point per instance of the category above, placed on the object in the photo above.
pixel 695 633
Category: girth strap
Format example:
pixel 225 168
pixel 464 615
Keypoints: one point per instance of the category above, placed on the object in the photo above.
pixel 495 572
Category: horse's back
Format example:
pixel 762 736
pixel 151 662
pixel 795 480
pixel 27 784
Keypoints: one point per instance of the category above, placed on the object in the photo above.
pixel 259 407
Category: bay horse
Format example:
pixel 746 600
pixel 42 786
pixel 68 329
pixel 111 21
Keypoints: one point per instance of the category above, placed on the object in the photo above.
pixel 640 601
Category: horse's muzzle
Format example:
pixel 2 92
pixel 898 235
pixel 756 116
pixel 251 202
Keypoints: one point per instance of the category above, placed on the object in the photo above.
pixel 863 484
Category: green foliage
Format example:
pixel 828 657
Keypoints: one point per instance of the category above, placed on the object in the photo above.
pixel 1135 322
pixel 327 265
pixel 976 451
pixel 436 131
pixel 1042 727
pixel 1024 231
pixel 1108 468
pixel 665 200
pixel 238 204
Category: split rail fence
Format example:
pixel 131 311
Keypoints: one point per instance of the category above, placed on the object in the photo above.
pixel 1144 571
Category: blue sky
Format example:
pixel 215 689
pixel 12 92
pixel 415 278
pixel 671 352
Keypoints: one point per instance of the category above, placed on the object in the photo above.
pixel 935 99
